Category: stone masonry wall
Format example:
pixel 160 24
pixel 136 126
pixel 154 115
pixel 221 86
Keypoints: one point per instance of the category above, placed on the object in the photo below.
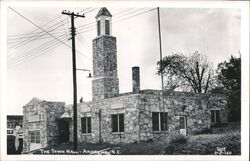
pixel 47 112
pixel 196 109
pixel 104 56
pixel 104 88
pixel 53 112
pixel 137 110
pixel 104 68
pixel 127 105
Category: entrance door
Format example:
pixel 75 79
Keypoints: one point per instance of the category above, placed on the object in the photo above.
pixel 183 125
pixel 35 140
pixel 63 125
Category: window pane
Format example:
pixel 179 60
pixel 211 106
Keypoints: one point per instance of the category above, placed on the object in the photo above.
pixel 107 32
pixel 182 122
pixel 83 121
pixel 89 124
pixel 32 136
pixel 98 28
pixel 163 117
pixel 38 140
pixel 121 123
pixel 114 123
pixel 37 137
pixel 218 116
pixel 155 120
pixel 212 116
pixel 37 133
pixel 165 120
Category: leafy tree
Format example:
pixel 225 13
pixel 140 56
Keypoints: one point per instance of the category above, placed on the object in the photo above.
pixel 229 78
pixel 187 73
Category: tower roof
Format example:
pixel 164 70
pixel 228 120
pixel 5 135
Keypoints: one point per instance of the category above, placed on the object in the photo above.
pixel 103 12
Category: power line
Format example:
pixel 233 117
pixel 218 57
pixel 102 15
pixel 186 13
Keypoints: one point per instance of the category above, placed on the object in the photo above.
pixel 41 28
pixel 41 33
pixel 36 36
pixel 36 25
pixel 31 58
pixel 65 31
pixel 32 32
pixel 41 48
pixel 132 16
pixel 92 27
pixel 87 11
pixel 18 40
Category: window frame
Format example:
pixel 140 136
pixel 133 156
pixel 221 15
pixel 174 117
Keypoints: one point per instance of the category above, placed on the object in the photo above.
pixel 98 27
pixel 107 27
pixel 182 122
pixel 161 123
pixel 88 124
pixel 120 123
pixel 215 116
pixel 35 137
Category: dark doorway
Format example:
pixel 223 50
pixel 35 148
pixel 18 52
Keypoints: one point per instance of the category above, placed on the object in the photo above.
pixel 20 147
pixel 63 125
pixel 11 145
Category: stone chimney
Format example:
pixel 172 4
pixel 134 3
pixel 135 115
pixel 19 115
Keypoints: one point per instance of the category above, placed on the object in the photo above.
pixel 136 79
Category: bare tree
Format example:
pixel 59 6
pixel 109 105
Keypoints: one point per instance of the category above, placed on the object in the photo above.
pixel 187 73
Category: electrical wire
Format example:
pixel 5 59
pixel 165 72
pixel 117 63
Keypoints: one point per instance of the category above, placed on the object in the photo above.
pixel 41 33
pixel 41 28
pixel 48 47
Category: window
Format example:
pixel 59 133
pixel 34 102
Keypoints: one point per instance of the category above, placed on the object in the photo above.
pixel 215 116
pixel 117 123
pixel 159 120
pixel 86 124
pixel 98 28
pixel 182 122
pixel 107 31
pixel 34 136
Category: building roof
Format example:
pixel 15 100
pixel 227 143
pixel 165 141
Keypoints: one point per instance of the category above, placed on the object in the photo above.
pixel 103 12
pixel 34 100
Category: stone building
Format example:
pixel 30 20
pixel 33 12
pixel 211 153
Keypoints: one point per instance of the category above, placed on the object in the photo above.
pixel 113 117
pixel 40 124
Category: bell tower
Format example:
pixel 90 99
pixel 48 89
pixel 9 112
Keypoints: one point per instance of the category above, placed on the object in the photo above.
pixel 105 83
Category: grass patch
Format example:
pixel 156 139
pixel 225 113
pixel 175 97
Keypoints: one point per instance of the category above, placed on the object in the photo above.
pixel 143 148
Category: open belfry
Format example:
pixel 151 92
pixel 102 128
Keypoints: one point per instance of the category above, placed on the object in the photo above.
pixel 113 117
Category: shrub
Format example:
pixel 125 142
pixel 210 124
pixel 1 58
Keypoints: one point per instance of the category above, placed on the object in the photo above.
pixel 206 144
pixel 178 139
pixel 175 144
pixel 204 131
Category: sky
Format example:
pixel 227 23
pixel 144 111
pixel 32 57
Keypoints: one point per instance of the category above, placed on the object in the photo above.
pixel 34 70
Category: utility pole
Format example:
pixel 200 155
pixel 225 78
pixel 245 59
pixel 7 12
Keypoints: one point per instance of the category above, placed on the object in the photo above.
pixel 72 16
pixel 161 69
